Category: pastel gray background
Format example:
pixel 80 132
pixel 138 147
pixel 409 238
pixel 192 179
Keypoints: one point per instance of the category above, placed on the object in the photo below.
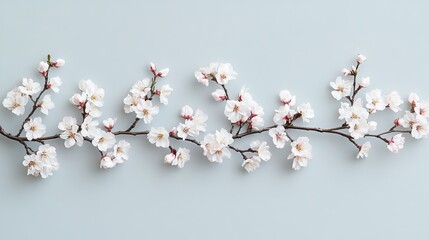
pixel 295 45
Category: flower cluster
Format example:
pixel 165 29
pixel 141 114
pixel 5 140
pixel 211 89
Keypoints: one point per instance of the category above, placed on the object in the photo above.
pixel 42 163
pixel 245 115
pixel 139 99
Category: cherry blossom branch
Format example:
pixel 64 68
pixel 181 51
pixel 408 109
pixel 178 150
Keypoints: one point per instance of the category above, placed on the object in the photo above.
pixel 244 113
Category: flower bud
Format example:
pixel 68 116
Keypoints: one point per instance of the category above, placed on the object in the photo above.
pixel 58 63
pixel 43 68
pixel 360 58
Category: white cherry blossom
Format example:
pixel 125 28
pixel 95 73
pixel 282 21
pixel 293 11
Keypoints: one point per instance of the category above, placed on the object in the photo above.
pixel 103 140
pixel 284 115
pixel 279 136
pixel 393 101
pixel 301 152
pixel 262 149
pixel 181 157
pixel 375 102
pixel 250 164
pixel 46 104
pixel 225 73
pixel 15 101
pixel 145 110
pixel 396 143
pixel 360 58
pixel 141 88
pixel 34 128
pixel 29 87
pixel 164 93
pixel 236 110
pixel 219 95
pixel 159 136
pixel 120 151
pixel 89 127
pixel 54 83
pixel 287 98
pixel 364 82
pixel 364 150
pixel 305 111
pixel 342 88
pixel 43 68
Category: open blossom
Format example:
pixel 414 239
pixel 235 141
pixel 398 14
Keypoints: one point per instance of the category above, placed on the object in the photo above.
pixel 109 123
pixel 185 129
pixel 215 146
pixel 222 73
pixel 181 157
pixel 396 143
pixel 194 123
pixel 236 110
pixel 364 150
pixel 46 104
pixel 287 98
pixel 219 95
pixel 256 123
pixel 164 93
pixel 43 68
pixel 107 161
pixel 29 87
pixel 206 74
pixel 95 94
pixel 120 151
pixel 34 128
pixel 342 88
pixel 159 136
pixel 393 101
pixel 89 127
pixel 15 101
pixel 375 102
pixel 72 137
pixel 103 140
pixel 223 137
pixel 225 73
pixel 131 101
pixel 420 128
pixel 145 110
pixel 422 108
pixel 262 148
pixel 305 111
pixel 141 88
pixel 284 115
pixel 279 136
pixel 364 82
pixel 33 164
pixel 251 164
pixel 79 100
pixel 358 128
pixel 353 113
pixel 43 163
pixel 301 152
pixel 419 124
pixel 67 124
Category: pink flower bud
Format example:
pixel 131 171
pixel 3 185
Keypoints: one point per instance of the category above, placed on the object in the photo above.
pixel 163 72
pixel 58 63
pixel 152 68
pixel 43 68
pixel 396 122
pixel 345 72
